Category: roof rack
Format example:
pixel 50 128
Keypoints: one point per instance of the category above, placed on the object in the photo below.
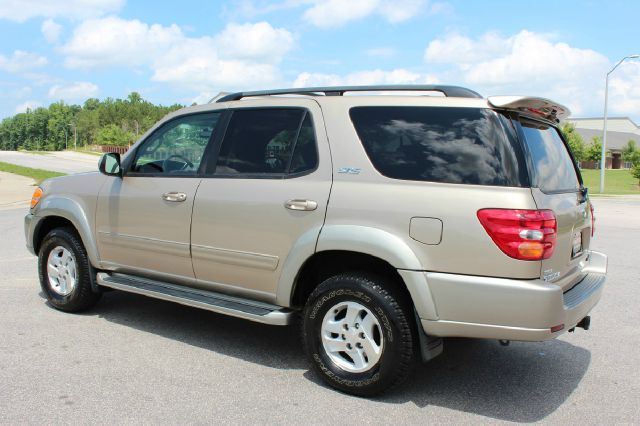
pixel 448 91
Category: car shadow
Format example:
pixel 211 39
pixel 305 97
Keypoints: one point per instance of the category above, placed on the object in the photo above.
pixel 523 382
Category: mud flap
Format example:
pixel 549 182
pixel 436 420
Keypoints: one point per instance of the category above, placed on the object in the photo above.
pixel 430 347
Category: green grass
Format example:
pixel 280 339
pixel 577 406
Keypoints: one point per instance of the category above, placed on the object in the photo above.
pixel 36 174
pixel 616 182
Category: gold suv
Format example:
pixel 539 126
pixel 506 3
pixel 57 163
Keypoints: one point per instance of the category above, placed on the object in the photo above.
pixel 388 220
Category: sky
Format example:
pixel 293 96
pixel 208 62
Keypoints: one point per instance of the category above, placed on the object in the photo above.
pixel 187 51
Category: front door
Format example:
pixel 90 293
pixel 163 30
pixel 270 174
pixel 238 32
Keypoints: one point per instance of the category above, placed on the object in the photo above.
pixel 265 194
pixel 144 218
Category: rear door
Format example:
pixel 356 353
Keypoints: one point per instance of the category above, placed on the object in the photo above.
pixel 557 185
pixel 264 194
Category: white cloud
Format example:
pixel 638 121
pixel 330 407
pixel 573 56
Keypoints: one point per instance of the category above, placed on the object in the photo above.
pixel 256 42
pixel 463 51
pixel 335 13
pixel 22 61
pixel 207 70
pixel 51 30
pixel 22 10
pixel 78 91
pixel 117 41
pixel 400 10
pixel 27 105
pixel 397 76
pixel 240 56
pixel 526 63
pixel 624 89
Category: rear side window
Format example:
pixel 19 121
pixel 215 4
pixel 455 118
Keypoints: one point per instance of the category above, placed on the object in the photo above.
pixel 451 145
pixel 267 142
pixel 553 169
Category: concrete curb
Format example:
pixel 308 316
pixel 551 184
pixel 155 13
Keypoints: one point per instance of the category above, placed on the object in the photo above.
pixel 15 191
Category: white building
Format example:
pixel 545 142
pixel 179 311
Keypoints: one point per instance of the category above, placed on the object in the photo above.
pixel 620 130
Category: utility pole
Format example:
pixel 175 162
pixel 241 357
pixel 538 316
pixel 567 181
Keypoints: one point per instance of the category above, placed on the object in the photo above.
pixel 603 156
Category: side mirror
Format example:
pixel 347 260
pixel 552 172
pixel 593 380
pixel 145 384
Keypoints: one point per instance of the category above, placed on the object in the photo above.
pixel 110 164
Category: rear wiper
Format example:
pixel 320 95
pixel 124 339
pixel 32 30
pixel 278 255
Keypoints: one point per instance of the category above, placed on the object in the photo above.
pixel 584 194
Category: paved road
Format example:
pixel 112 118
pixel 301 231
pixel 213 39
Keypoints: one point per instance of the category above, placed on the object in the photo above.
pixel 139 360
pixel 61 161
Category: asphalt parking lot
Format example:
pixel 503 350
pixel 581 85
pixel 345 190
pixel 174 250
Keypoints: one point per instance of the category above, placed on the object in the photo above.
pixel 139 360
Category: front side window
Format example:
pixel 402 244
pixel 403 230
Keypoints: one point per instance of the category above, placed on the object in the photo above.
pixel 450 145
pixel 177 147
pixel 267 142
pixel 553 168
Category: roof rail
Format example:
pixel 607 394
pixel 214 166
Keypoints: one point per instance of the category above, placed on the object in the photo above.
pixel 448 91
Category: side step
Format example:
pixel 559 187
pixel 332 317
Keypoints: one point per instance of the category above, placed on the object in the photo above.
pixel 208 300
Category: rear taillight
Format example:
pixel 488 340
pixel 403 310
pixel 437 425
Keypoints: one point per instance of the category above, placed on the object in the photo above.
pixel 593 219
pixel 521 234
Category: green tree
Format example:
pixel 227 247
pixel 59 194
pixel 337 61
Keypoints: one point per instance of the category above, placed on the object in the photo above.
pixel 116 120
pixel 594 149
pixel 114 135
pixel 635 171
pixel 575 141
pixel 58 130
pixel 630 150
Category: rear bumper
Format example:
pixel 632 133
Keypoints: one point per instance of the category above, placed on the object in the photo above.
pixel 496 308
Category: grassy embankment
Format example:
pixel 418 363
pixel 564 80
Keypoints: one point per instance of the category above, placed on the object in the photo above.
pixel 36 174
pixel 616 182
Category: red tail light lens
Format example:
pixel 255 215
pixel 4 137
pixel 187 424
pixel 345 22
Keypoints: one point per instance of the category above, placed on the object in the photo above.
pixel 593 219
pixel 521 234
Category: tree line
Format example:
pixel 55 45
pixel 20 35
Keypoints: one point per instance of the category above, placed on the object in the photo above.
pixel 59 126
pixel 593 150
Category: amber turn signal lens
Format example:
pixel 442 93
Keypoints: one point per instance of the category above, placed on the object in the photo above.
pixel 531 250
pixel 37 194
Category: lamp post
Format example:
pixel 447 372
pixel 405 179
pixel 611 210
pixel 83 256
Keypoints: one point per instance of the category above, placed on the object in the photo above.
pixel 603 158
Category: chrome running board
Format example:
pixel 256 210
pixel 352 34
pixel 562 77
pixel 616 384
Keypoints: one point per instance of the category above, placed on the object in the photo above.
pixel 208 300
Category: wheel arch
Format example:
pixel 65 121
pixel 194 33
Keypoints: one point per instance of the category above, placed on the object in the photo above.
pixel 64 212
pixel 345 248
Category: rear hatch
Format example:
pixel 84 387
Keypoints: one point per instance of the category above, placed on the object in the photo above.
pixel 557 185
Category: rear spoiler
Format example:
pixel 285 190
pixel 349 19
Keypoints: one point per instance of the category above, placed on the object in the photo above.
pixel 545 108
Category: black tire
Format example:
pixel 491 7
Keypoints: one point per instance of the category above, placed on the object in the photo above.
pixel 393 314
pixel 81 296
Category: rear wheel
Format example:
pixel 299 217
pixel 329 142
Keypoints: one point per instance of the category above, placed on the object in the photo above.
pixel 357 334
pixel 64 271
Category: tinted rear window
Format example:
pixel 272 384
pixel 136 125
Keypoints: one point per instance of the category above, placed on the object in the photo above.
pixel 452 145
pixel 268 141
pixel 553 168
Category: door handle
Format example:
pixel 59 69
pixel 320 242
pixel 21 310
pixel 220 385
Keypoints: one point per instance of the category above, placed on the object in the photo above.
pixel 175 197
pixel 306 205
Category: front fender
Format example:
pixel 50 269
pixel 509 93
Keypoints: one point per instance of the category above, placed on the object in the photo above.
pixel 71 209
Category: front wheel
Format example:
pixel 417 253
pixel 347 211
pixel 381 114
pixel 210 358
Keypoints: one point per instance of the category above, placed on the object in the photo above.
pixel 357 334
pixel 64 271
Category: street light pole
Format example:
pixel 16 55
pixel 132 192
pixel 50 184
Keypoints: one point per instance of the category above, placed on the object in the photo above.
pixel 603 158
